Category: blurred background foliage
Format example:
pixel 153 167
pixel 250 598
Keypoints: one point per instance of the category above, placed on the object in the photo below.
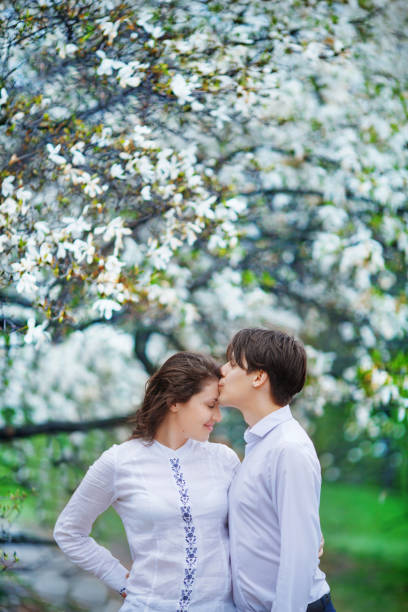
pixel 172 172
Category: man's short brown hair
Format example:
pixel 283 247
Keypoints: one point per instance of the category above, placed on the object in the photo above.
pixel 281 356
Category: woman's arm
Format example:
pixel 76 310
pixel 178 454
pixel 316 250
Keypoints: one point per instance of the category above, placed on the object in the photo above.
pixel 95 494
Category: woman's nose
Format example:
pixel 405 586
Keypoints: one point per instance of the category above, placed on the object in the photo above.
pixel 224 369
pixel 217 414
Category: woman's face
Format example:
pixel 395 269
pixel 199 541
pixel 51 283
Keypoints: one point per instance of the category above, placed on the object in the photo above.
pixel 196 418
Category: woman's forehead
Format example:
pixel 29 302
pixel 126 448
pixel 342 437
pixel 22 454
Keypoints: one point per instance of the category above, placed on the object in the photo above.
pixel 210 389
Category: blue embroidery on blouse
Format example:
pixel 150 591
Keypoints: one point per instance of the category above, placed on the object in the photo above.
pixel 190 536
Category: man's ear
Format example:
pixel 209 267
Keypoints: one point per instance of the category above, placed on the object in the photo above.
pixel 259 379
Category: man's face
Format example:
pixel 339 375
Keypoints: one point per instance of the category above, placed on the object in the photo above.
pixel 235 385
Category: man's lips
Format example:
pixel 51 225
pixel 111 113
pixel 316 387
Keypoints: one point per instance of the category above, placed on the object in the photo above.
pixel 209 426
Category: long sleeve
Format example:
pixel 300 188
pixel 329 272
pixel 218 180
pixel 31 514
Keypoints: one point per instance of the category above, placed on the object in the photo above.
pixel 297 501
pixel 93 496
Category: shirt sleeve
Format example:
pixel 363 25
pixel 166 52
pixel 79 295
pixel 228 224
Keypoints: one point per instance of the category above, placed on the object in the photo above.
pixel 93 496
pixel 297 500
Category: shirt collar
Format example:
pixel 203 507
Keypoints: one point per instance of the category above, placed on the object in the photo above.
pixel 265 425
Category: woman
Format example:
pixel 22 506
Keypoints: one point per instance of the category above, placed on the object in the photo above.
pixel 169 485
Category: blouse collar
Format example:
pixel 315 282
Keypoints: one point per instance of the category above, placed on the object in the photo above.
pixel 171 452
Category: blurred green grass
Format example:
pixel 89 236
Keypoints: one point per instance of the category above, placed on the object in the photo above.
pixel 366 547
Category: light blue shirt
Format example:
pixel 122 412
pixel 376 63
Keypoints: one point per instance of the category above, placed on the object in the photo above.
pixel 274 521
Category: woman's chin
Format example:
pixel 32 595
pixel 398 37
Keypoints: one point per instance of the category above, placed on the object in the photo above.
pixel 202 437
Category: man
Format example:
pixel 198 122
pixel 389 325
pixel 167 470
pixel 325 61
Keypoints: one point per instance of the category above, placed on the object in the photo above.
pixel 274 499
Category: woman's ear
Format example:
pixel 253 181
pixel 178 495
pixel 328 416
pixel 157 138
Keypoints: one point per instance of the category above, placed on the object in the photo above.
pixel 174 407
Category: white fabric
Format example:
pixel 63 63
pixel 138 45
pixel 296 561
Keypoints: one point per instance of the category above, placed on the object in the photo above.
pixel 274 519
pixel 150 487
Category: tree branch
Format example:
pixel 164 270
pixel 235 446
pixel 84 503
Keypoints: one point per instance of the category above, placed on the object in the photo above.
pixel 15 299
pixel 24 538
pixel 11 432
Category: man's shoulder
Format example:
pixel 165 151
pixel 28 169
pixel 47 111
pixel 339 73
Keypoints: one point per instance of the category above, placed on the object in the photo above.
pixel 290 436
pixel 292 429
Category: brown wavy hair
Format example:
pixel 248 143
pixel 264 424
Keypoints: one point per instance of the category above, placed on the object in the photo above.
pixel 179 378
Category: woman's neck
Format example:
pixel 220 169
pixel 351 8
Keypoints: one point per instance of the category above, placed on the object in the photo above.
pixel 168 435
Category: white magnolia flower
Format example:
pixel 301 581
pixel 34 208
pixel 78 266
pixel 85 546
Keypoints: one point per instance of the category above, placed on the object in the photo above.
pixel 333 217
pixel 23 194
pixel 110 30
pixel 326 249
pixel 216 241
pixel 18 117
pixel 204 208
pixel 3 96
pixel 27 284
pixel 197 106
pixel 379 378
pixel 104 139
pixel 36 334
pixel 3 242
pixel 107 65
pixel 78 158
pixel 113 266
pixel 65 50
pixel 46 253
pixel 9 206
pixel 155 31
pixel 191 230
pixel 24 265
pixel 367 253
pixel 76 227
pixel 221 115
pixel 106 307
pixel 42 229
pixel 181 89
pixel 145 192
pixel 127 76
pixel 82 250
pixel 161 256
pixel 139 136
pixel 117 171
pixel 238 204
pixel 92 187
pixel 167 296
pixel 62 249
pixel 53 154
pixel 7 187
pixel 115 230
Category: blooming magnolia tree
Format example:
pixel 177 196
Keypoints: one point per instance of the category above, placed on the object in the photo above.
pixel 178 170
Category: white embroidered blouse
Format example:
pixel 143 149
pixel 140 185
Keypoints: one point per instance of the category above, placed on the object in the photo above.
pixel 173 505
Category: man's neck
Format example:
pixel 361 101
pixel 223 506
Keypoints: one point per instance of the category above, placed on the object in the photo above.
pixel 257 412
